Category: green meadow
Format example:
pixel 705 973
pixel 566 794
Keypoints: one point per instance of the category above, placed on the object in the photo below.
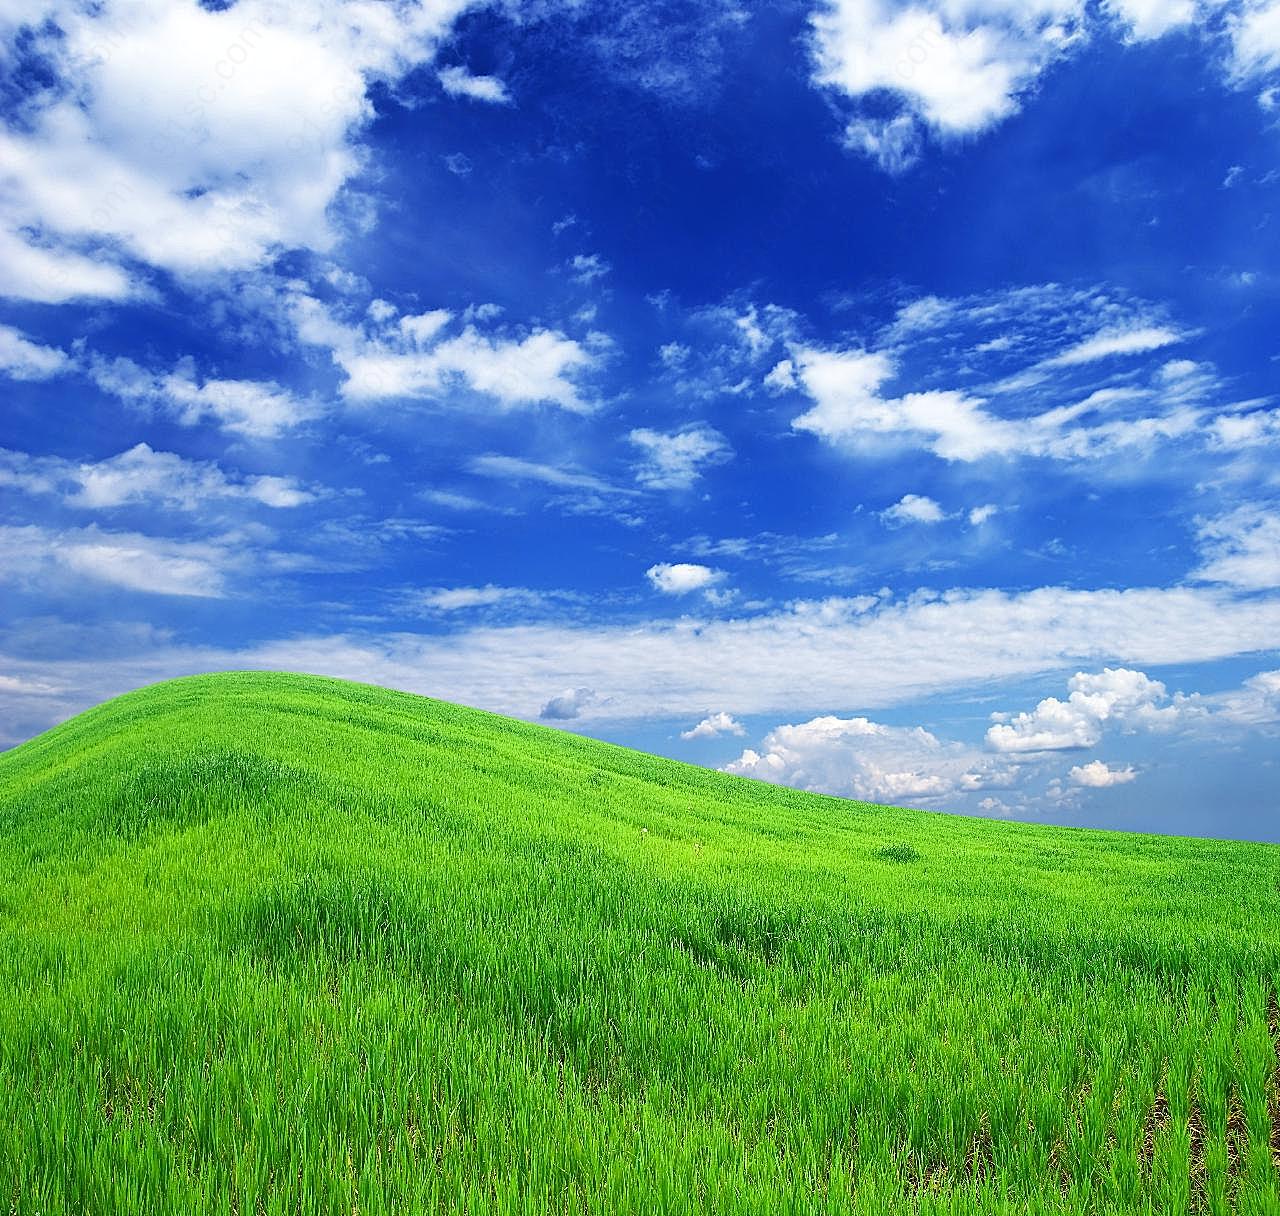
pixel 277 944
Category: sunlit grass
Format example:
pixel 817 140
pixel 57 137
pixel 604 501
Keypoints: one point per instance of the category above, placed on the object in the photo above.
pixel 279 944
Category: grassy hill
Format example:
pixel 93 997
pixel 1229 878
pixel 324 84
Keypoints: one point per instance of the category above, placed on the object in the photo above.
pixel 282 944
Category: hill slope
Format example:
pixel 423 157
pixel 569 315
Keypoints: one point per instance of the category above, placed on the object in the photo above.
pixel 274 943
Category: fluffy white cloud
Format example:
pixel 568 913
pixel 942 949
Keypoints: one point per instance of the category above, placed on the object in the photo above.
pixel 781 377
pixel 1152 18
pixel 142 474
pixel 1255 703
pixel 1241 548
pixel 679 578
pixel 191 137
pixel 22 359
pixel 1119 695
pixel 913 509
pixel 979 515
pixel 674 460
pixel 868 760
pixel 713 726
pixel 1096 775
pixel 1251 428
pixel 1255 36
pixel 958 66
pixel 54 276
pixel 458 82
pixel 850 409
pixel 390 356
pixel 249 408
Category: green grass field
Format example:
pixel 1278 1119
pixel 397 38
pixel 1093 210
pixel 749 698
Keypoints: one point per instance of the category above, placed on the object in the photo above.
pixel 281 944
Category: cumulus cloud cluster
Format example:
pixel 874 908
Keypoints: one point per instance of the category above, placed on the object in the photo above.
pixel 425 355
pixel 956 68
pixel 869 760
pixel 191 138
pixel 1117 695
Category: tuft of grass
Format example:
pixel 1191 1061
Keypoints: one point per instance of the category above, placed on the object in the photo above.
pixel 899 852
pixel 280 944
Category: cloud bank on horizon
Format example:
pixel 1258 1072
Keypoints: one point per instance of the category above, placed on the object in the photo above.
pixel 872 397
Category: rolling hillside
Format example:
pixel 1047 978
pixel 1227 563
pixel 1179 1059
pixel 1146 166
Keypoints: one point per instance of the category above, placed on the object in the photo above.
pixel 282 944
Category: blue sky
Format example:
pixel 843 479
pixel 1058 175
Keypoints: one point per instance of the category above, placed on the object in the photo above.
pixel 876 398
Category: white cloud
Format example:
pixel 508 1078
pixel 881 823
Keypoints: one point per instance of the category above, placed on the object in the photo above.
pixel 22 359
pixel 1050 409
pixel 980 515
pixel 49 276
pixel 17 686
pixel 680 578
pixel 1255 36
pixel 1124 341
pixel 1120 696
pixel 154 566
pixel 782 377
pixel 784 662
pixel 1148 19
pixel 713 726
pixel 410 357
pixel 192 138
pixel 674 460
pixel 893 143
pixel 587 267
pixel 1096 775
pixel 806 655
pixel 142 474
pixel 249 408
pixel 455 599
pixel 1254 428
pixel 515 468
pixel 959 67
pixel 913 509
pixel 849 408
pixel 868 760
pixel 458 82
pixel 1241 548
pixel 1255 703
